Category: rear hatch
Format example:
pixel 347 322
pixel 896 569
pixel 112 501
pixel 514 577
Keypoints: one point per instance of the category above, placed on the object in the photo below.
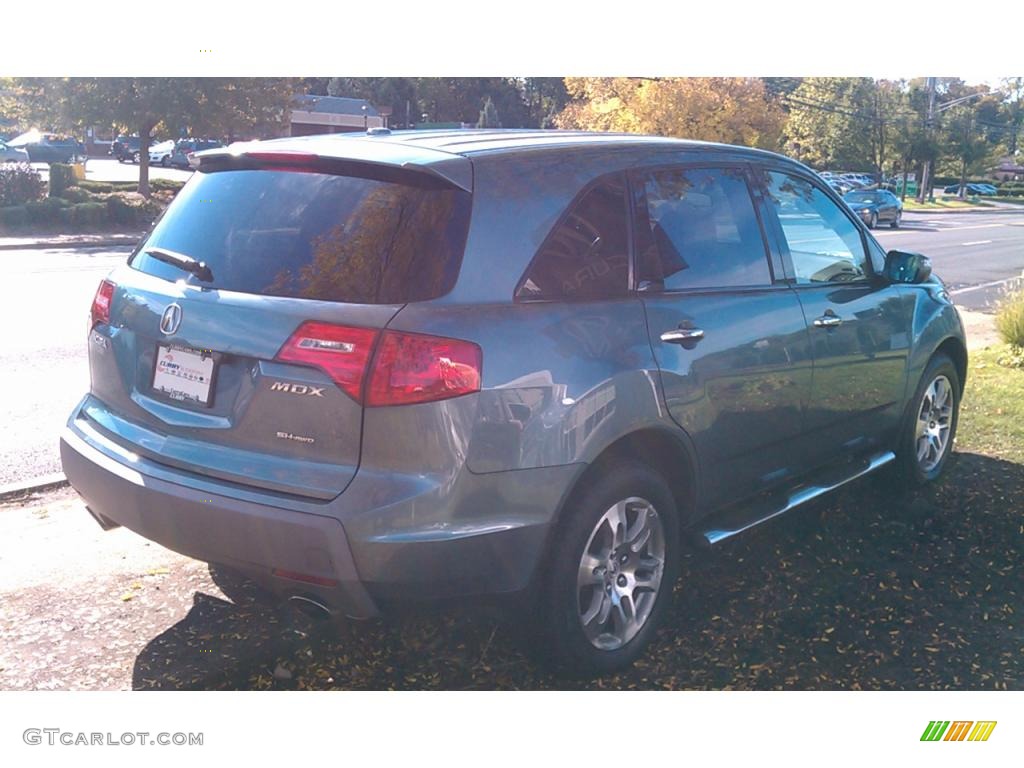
pixel 237 338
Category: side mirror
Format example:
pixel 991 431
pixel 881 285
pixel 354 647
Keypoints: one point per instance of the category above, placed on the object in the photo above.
pixel 906 267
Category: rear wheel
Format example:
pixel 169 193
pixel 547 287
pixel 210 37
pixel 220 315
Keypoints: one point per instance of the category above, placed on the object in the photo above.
pixel 874 220
pixel 610 573
pixel 930 426
pixel 898 220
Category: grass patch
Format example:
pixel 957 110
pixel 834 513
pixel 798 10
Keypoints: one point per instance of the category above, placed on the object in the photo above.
pixel 942 204
pixel 992 412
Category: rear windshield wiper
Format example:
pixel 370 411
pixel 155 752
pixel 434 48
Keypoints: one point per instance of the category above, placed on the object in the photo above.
pixel 180 260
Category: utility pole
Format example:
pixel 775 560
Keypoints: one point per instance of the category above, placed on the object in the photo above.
pixel 926 172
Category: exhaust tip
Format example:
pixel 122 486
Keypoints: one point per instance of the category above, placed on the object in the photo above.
pixel 310 607
pixel 105 522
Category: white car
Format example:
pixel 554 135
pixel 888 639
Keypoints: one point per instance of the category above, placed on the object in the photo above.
pixel 160 154
pixel 9 154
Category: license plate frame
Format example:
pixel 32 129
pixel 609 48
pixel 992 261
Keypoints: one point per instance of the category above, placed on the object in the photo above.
pixel 198 363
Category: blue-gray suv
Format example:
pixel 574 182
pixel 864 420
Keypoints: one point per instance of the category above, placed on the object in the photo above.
pixel 453 364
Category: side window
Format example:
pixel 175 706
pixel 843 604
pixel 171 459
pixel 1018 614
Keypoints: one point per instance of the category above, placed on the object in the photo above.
pixel 825 246
pixel 697 229
pixel 586 256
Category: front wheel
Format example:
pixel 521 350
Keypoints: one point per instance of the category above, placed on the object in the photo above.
pixel 874 220
pixel 898 220
pixel 930 426
pixel 610 572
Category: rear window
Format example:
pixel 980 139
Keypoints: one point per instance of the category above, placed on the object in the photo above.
pixel 314 236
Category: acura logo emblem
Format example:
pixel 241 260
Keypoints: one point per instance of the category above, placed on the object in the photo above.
pixel 171 320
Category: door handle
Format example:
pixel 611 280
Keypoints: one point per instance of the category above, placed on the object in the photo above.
pixel 828 320
pixel 682 335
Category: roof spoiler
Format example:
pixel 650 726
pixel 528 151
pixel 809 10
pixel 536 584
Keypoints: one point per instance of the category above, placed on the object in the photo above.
pixel 450 170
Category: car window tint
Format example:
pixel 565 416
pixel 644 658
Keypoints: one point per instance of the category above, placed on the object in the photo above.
pixel 315 235
pixel 824 244
pixel 586 256
pixel 697 229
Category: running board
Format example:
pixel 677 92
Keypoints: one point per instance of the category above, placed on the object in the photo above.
pixel 744 518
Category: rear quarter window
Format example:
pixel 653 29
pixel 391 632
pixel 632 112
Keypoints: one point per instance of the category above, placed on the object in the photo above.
pixel 314 236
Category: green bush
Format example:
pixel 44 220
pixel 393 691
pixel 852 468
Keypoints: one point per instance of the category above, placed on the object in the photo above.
pixel 41 213
pixel 126 208
pixel 78 195
pixel 166 185
pixel 62 176
pixel 20 183
pixel 89 214
pixel 13 216
pixel 102 187
pixel 1010 319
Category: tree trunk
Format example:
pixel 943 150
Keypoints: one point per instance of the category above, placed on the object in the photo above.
pixel 144 141
pixel 962 192
pixel 903 192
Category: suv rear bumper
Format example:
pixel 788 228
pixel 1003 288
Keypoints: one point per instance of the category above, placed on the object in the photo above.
pixel 251 537
pixel 389 537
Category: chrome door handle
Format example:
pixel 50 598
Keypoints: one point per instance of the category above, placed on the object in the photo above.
pixel 828 320
pixel 682 335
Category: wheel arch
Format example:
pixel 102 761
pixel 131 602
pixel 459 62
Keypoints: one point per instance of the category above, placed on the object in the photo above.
pixel 669 452
pixel 956 350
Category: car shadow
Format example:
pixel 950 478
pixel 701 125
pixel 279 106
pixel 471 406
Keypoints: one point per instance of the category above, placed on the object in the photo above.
pixel 875 587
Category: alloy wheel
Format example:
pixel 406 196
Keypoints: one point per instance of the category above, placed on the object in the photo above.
pixel 934 421
pixel 620 573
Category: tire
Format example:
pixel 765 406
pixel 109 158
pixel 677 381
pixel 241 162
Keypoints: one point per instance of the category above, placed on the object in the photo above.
pixel 897 221
pixel 916 469
pixel 165 161
pixel 609 642
pixel 874 221
pixel 135 158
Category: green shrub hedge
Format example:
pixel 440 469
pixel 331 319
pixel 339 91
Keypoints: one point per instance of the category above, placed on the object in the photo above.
pixel 20 183
pixel 62 176
pixel 13 216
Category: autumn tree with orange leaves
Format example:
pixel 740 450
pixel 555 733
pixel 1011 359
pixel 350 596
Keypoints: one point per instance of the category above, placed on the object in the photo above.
pixel 732 110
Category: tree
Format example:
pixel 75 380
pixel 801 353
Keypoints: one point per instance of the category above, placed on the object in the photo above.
pixel 839 122
pixel 226 107
pixel 734 110
pixel 488 116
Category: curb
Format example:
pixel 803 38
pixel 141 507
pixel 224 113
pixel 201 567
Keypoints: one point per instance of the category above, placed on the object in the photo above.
pixel 26 487
pixel 41 244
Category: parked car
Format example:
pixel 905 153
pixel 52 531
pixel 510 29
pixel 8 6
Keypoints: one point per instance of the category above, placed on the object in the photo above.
pixel 160 154
pixel 526 366
pixel 971 189
pixel 126 148
pixel 875 206
pixel 10 154
pixel 52 148
pixel 841 187
pixel 186 147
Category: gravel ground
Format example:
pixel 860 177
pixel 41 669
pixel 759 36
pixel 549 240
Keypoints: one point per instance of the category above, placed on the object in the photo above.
pixel 871 589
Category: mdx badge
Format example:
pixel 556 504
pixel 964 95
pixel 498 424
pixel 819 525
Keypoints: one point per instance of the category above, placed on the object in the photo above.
pixel 296 389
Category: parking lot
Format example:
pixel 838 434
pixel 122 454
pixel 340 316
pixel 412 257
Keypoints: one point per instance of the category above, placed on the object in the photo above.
pixel 109 169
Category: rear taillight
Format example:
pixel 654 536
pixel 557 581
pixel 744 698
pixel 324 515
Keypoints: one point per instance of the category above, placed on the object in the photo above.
pixel 341 351
pixel 407 367
pixel 100 311
pixel 412 368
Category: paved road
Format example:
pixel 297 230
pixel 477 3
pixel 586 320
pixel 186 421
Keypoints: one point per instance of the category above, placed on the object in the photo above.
pixel 108 169
pixel 44 355
pixel 978 255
